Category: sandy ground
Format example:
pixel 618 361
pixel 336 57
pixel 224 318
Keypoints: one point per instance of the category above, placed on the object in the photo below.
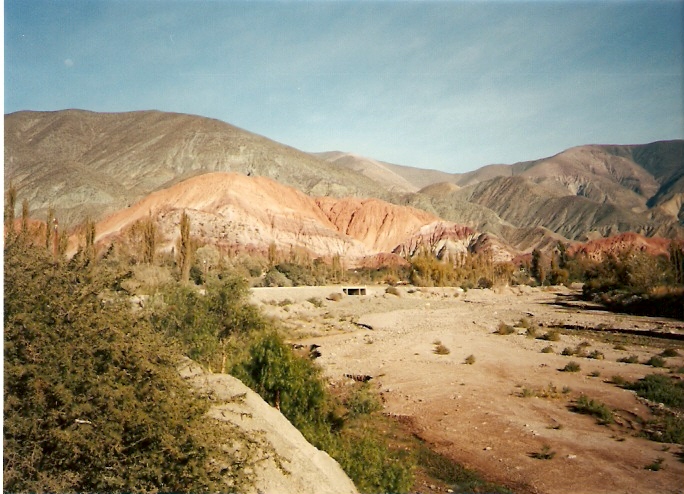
pixel 475 413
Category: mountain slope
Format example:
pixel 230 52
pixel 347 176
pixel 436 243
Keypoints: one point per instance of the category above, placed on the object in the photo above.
pixel 377 171
pixel 86 163
pixel 235 212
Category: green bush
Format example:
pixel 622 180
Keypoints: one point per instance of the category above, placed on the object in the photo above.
pixel 296 386
pixel 669 352
pixel 362 401
pixel 656 361
pixel 603 414
pixel 205 324
pixel 660 389
pixel 547 349
pixel 92 398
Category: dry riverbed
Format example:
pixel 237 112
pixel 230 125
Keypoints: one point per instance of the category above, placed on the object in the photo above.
pixel 512 401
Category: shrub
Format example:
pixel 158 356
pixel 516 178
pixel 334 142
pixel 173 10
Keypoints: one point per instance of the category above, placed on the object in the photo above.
pixel 568 351
pixel 660 389
pixel 571 367
pixel 524 322
pixel 335 297
pixel 275 278
pixel 618 380
pixel 204 325
pixel 552 335
pixel 92 398
pixel 295 385
pixel 393 290
pixel 441 349
pixel 362 401
pixel 656 465
pixel 470 359
pixel 596 355
pixel 603 414
pixel 485 283
pixel 504 329
pixel 669 352
pixel 544 454
pixel 315 301
pixel 547 349
pixel 656 361
pixel 531 332
pixel 632 359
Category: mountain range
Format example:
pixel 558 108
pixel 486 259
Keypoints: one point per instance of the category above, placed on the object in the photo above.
pixel 242 189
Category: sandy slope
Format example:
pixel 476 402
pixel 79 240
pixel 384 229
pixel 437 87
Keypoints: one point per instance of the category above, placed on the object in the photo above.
pixel 474 413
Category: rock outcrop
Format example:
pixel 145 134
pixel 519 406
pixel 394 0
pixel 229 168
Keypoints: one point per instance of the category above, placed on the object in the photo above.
pixel 287 463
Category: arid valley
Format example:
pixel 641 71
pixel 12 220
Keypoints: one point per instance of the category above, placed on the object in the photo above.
pixel 513 400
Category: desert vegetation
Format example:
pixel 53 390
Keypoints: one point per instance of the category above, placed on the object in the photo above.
pixel 92 343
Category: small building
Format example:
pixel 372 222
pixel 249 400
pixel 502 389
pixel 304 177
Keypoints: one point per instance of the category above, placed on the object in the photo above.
pixel 354 290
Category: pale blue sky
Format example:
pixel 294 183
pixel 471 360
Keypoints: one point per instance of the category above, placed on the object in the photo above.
pixel 446 85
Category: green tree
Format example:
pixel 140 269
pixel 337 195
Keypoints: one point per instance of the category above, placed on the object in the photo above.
pixel 185 248
pixel 537 268
pixel 10 206
pixel 24 217
pixel 49 228
pixel 90 239
pixel 676 252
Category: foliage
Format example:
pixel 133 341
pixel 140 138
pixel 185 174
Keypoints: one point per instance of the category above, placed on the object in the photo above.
pixel 290 383
pixel 676 253
pixel 552 335
pixel 571 367
pixel 295 385
pixel 362 401
pixel 440 349
pixel 637 283
pixel 470 359
pixel 656 361
pixel 9 212
pixel 504 329
pixel 92 398
pixel 656 465
pixel 185 248
pixel 545 454
pixel 587 406
pixel 441 467
pixel 660 389
pixel 538 266
pixel 207 324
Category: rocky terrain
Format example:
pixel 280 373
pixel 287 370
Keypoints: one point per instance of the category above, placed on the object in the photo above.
pixel 285 461
pixel 234 211
pixel 87 164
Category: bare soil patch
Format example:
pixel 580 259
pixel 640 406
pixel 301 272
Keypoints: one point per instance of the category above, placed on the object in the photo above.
pixel 510 404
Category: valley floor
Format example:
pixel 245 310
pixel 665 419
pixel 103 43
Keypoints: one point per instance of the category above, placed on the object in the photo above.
pixel 485 415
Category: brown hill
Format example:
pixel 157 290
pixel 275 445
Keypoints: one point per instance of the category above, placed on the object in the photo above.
pixel 93 164
pixel 234 211
pixel 377 171
pixel 86 163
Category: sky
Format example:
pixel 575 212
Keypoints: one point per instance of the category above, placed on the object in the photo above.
pixel 447 85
